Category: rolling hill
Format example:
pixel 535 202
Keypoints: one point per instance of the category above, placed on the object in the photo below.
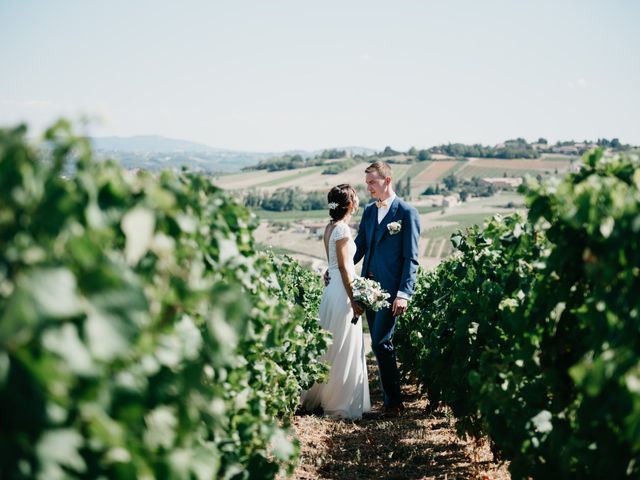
pixel 154 152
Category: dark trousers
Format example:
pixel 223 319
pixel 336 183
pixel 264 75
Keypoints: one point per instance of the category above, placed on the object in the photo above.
pixel 381 326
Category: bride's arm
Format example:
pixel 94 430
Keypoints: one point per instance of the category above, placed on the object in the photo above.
pixel 342 254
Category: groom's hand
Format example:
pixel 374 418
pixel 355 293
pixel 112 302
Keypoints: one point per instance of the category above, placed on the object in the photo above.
pixel 399 306
pixel 326 278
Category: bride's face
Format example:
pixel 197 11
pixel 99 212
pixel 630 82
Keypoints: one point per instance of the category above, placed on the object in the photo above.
pixel 355 206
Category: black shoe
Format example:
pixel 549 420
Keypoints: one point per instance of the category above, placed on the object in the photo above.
pixel 393 410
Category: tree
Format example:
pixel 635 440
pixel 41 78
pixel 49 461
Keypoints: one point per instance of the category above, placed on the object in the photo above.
pixel 450 182
pixel 333 154
pixel 464 195
pixel 543 141
pixel 388 152
pixel 423 156
pixel 404 190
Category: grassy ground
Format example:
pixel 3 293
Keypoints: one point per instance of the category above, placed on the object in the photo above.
pixel 418 444
pixel 459 222
pixel 290 216
pixel 454 169
pixel 298 175
pixel 413 171
pixel 439 247
pixel 556 157
pixel 260 247
pixel 493 172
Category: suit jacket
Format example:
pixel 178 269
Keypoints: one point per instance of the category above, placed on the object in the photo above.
pixel 391 259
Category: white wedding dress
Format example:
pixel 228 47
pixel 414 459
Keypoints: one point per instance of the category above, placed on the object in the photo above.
pixel 346 393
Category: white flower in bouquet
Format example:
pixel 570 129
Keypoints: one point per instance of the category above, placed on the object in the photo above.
pixel 369 294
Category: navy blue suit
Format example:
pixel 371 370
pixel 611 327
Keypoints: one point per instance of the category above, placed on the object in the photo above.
pixel 391 260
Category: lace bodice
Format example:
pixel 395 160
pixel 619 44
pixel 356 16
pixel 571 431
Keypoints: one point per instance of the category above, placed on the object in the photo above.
pixel 340 231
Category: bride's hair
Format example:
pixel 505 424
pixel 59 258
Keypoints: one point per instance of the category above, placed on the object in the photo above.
pixel 341 198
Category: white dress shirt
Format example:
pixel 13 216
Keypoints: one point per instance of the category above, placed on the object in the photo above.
pixel 382 211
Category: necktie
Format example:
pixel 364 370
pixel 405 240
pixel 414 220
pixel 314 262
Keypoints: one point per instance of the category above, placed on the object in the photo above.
pixel 381 204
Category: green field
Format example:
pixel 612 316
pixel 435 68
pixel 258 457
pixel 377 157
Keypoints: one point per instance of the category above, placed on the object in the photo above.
pixel 260 247
pixel 455 169
pixel 493 172
pixel 289 178
pixel 462 221
pixel 423 210
pixel 291 216
pixel 559 158
pixel 413 171
pixel 438 248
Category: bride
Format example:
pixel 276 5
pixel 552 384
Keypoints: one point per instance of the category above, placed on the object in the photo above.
pixel 346 393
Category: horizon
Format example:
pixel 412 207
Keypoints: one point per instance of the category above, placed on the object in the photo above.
pixel 282 76
pixel 347 147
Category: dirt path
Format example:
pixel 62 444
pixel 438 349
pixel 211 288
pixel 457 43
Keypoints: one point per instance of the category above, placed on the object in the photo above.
pixel 414 445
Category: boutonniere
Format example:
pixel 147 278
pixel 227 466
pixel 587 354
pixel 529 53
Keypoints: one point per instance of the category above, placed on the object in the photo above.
pixel 394 227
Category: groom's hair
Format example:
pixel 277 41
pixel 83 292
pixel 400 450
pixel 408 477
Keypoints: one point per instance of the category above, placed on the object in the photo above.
pixel 381 168
pixel 343 196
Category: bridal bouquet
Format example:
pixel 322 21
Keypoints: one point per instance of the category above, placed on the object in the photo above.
pixel 369 294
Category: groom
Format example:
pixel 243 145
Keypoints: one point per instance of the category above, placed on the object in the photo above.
pixel 388 240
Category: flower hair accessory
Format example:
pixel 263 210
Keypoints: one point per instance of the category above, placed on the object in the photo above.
pixel 332 205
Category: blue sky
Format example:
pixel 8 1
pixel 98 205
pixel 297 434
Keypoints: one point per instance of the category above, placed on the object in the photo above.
pixel 284 74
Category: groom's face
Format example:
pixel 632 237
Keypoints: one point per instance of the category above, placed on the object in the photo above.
pixel 377 185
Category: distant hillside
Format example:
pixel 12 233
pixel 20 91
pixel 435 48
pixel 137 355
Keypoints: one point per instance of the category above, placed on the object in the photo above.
pixel 153 152
pixel 356 150
pixel 149 143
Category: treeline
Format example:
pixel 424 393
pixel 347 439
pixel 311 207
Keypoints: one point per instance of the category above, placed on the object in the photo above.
pixel 510 149
pixel 344 165
pixel 285 199
pixel 474 187
pixel 518 148
pixel 295 199
pixel 328 159
pixel 290 162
